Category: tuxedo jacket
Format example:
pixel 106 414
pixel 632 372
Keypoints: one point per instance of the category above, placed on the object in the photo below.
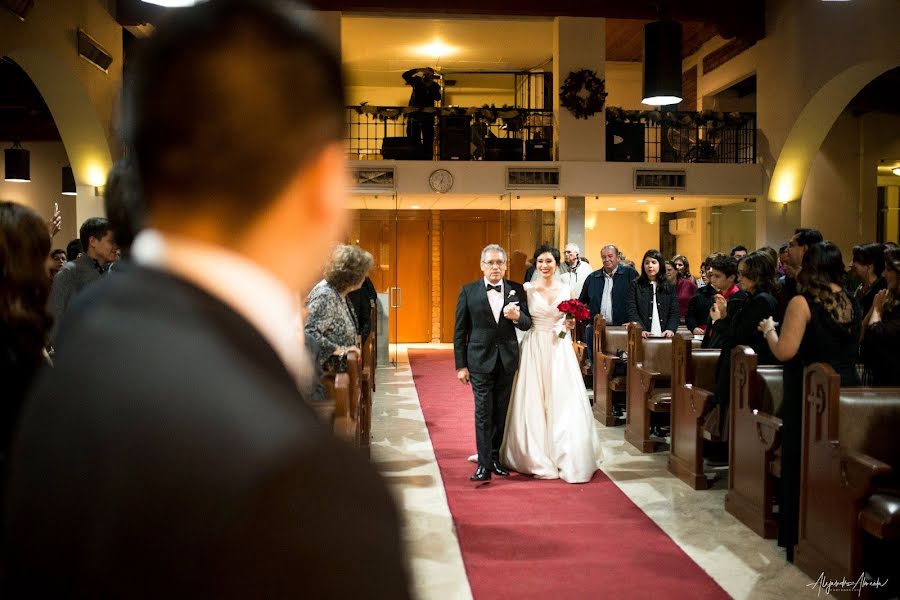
pixel 478 340
pixel 169 454
pixel 592 293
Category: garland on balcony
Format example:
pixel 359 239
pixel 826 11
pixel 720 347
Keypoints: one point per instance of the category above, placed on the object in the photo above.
pixel 583 93
pixel 490 113
pixel 706 118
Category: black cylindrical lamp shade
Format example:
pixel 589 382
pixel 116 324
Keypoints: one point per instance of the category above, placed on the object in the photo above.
pixel 68 182
pixel 662 63
pixel 18 164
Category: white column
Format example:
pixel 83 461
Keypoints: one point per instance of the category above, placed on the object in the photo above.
pixel 578 43
pixel 574 222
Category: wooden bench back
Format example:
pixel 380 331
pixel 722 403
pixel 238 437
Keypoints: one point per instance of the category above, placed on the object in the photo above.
pixel 609 339
pixel 755 387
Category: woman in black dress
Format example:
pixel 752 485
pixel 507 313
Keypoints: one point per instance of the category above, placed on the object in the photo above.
pixel 651 299
pixel 868 266
pixel 881 327
pixel 821 324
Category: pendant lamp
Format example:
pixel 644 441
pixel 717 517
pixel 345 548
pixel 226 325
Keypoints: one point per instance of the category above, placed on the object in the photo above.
pixel 17 163
pixel 662 63
pixel 68 182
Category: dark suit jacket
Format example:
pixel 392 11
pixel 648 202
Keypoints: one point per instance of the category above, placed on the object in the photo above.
pixel 71 279
pixel 168 454
pixel 698 307
pixel 640 305
pixel 360 302
pixel 592 293
pixel 479 341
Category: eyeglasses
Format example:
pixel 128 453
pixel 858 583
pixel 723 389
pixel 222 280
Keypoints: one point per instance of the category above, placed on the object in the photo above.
pixel 493 263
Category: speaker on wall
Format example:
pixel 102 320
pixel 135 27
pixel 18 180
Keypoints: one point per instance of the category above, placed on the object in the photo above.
pixel 401 148
pixel 502 149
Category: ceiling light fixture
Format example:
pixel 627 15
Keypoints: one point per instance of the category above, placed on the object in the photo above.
pixel 662 63
pixel 17 161
pixel 896 171
pixel 611 208
pixel 68 182
pixel 174 3
pixel 435 49
pixel 642 201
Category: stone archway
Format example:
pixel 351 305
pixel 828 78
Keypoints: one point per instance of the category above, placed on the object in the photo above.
pixel 812 126
pixel 79 125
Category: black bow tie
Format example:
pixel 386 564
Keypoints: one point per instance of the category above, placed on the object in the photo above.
pixel 496 288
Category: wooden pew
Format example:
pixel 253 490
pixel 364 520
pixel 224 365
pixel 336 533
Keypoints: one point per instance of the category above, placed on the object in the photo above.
pixel 608 387
pixel 326 408
pixel 850 473
pixel 648 384
pixel 754 441
pixel 693 382
pixel 365 411
pixel 370 352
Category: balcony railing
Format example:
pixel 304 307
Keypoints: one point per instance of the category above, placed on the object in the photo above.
pixel 680 137
pixel 396 132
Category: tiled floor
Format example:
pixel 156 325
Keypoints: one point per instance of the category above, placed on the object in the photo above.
pixel 744 564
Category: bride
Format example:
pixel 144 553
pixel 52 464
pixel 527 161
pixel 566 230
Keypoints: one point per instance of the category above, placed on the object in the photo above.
pixel 549 426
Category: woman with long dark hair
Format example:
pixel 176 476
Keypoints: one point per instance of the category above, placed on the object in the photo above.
pixel 651 299
pixel 881 327
pixel 756 277
pixel 24 320
pixel 868 266
pixel 822 324
pixel 684 285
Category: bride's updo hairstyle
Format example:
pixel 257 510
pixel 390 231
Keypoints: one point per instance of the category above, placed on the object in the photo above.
pixel 554 252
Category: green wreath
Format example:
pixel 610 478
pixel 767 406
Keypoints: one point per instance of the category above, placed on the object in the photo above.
pixel 583 93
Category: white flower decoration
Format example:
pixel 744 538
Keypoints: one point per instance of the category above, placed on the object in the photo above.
pixel 512 292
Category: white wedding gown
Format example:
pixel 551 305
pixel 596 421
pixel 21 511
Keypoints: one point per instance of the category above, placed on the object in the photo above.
pixel 549 426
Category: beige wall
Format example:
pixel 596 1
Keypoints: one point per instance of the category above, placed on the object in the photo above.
pixel 629 231
pixel 731 225
pixel 47 161
pixel 81 98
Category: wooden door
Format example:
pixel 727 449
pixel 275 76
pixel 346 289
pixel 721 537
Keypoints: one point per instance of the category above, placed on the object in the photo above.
pixel 400 242
pixel 463 235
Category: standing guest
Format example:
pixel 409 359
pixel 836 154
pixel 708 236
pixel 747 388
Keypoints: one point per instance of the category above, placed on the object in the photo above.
pixel 821 325
pixel 685 288
pixel 683 266
pixel 574 270
pixel 57 261
pixel 332 319
pixel 881 327
pixel 868 266
pixel 100 250
pixel 740 327
pixel 697 316
pixel 425 92
pixel 739 252
pixel 783 262
pixel 605 292
pixel 624 260
pixel 361 300
pixel 723 271
pixel 802 239
pixel 73 250
pixel 169 453
pixel 651 299
pixel 24 320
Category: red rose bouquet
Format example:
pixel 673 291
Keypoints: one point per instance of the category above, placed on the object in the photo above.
pixel 574 309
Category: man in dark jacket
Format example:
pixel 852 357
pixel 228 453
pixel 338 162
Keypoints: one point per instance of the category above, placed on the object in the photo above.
pixel 605 292
pixel 169 452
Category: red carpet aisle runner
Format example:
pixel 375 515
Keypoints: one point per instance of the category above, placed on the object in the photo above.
pixel 523 538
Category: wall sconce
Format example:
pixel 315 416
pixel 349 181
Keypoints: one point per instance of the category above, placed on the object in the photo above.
pixel 18 164
pixel 100 191
pixel 68 182
pixel 662 63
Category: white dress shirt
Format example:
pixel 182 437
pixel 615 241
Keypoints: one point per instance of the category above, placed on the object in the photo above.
pixel 495 298
pixel 248 289
pixel 606 308
pixel 655 327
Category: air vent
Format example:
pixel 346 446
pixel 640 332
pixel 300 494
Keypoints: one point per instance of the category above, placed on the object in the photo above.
pixel 518 178
pixel 373 179
pixel 652 179
pixel 19 8
pixel 91 51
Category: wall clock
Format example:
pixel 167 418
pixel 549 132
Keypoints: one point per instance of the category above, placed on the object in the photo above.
pixel 441 181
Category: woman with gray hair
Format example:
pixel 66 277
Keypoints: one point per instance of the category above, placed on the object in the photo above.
pixel 331 320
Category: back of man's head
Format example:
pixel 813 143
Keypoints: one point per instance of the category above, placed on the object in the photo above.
pixel 224 105
pixel 95 227
pixel 73 249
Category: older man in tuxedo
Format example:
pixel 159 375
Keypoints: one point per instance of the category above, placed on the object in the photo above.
pixel 488 312
pixel 169 453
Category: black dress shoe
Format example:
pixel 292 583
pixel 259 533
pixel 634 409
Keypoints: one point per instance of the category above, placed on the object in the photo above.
pixel 499 470
pixel 481 474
